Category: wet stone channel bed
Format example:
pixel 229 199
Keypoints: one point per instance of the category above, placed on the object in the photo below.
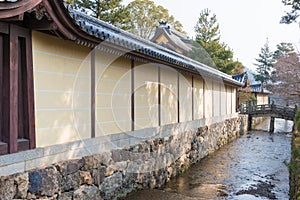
pixel 252 167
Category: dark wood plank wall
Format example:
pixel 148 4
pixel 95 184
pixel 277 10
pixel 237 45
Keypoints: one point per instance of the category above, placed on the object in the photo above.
pixel 17 96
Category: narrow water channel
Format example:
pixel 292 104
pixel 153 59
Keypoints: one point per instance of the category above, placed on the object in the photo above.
pixel 252 167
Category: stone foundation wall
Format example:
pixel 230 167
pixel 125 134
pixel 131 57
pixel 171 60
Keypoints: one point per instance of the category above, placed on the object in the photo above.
pixel 113 174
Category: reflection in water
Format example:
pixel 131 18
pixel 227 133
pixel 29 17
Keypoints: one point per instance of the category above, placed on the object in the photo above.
pixel 252 167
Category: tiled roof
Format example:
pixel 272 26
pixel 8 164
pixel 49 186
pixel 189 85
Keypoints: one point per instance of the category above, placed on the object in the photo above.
pixel 179 39
pixel 242 78
pixel 258 88
pixel 112 34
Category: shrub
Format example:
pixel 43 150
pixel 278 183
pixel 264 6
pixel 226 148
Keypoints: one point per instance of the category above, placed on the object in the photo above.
pixel 297 120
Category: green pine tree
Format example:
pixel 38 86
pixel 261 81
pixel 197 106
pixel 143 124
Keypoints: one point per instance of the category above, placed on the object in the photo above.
pixel 208 37
pixel 282 49
pixel 264 65
pixel 293 14
pixel 111 11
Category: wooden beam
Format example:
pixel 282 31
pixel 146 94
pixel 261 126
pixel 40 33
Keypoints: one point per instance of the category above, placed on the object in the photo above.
pixel 1 83
pixel 3 148
pixel 93 94
pixel 203 85
pixel 212 99
pixel 193 98
pixel 6 91
pixel 30 92
pixel 42 25
pixel 19 17
pixel 4 28
pixel 13 88
pixel 132 96
pixel 159 96
pixel 8 10
pixel 178 96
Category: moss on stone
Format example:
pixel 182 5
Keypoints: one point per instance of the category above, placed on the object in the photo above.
pixel 294 165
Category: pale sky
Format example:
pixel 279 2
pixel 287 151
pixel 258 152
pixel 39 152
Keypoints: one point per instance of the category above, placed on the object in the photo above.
pixel 244 25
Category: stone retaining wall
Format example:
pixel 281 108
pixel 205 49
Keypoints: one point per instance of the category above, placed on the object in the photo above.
pixel 116 172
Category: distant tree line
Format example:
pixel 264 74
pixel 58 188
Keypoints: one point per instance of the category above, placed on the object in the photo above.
pixel 139 17
pixel 279 70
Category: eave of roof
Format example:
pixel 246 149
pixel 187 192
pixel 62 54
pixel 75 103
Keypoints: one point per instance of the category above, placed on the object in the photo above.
pixel 13 8
pixel 257 88
pixel 85 30
pixel 242 78
pixel 174 37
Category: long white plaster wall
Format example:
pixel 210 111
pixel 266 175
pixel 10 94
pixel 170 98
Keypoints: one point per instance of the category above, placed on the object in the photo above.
pixel 233 98
pixel 223 100
pixel 185 98
pixel 208 95
pixel 113 93
pixel 145 95
pixel 198 98
pixel 63 93
pixel 169 95
pixel 62 90
pixel 216 99
pixel 229 100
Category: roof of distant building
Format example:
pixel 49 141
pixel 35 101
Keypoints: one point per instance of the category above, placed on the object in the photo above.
pixel 242 78
pixel 257 88
pixel 176 39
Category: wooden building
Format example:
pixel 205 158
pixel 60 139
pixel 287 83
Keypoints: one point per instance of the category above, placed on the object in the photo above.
pixel 172 39
pixel 250 92
pixel 66 76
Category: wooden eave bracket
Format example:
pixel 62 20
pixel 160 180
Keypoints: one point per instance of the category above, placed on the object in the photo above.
pixel 66 28
pixel 12 10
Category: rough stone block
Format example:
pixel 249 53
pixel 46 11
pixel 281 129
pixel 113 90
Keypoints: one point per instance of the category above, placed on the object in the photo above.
pixel 21 182
pixel 85 178
pixel 98 175
pixel 87 193
pixel 70 167
pixel 7 188
pixel 44 182
pixel 65 196
pixel 69 182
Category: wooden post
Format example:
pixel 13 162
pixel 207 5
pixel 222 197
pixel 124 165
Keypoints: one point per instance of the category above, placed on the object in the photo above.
pixel 271 130
pixel 249 123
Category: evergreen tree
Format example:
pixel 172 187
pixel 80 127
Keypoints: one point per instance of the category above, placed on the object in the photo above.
pixel 208 36
pixel 282 49
pixel 111 11
pixel 264 65
pixel 198 53
pixel 293 14
pixel 145 16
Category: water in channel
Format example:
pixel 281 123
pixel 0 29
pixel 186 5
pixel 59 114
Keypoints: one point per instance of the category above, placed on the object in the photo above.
pixel 252 167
